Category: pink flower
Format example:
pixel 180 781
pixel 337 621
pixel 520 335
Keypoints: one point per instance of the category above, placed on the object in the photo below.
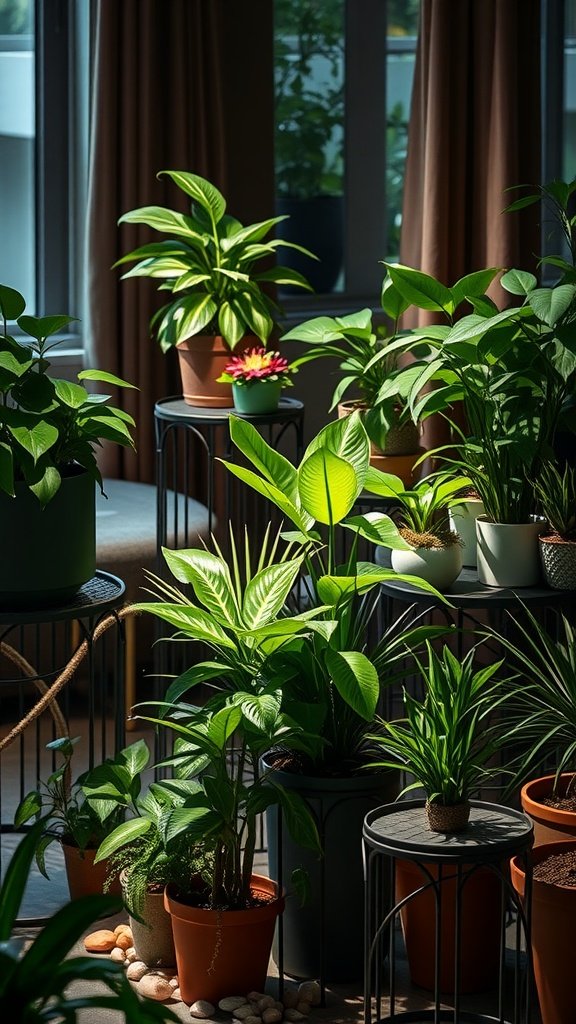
pixel 257 364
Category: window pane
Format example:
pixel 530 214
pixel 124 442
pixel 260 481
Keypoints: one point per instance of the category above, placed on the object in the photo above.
pixel 17 119
pixel 309 138
pixel 401 54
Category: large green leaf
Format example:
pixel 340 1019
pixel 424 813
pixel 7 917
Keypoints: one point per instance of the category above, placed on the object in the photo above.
pixel 297 515
pixel 46 487
pixel 518 282
pixel 72 395
pixel 379 529
pixel 321 330
pixel 200 190
pixel 328 486
pixel 550 304
pixel 36 437
pixel 298 817
pixel 189 316
pixel 197 822
pixel 210 577
pixel 161 219
pixel 12 303
pixel 106 378
pixel 222 725
pixel 356 680
pixel 273 466
pixel 348 439
pixel 40 327
pixel 266 593
pixel 193 622
pixel 124 834
pixel 420 289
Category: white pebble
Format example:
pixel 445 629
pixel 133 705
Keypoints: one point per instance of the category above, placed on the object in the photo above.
pixel 310 992
pixel 231 1003
pixel 271 1015
pixel 176 994
pixel 241 1012
pixel 118 955
pixel 136 970
pixel 155 987
pixel 202 1009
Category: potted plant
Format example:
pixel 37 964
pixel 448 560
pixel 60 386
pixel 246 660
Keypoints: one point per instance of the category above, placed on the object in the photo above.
pixel 136 851
pixel 556 493
pixel 211 265
pixel 308 142
pixel 49 432
pixel 75 819
pixel 331 681
pixel 434 551
pixel 257 378
pixel 446 743
pixel 35 976
pixel 543 724
pixel 368 369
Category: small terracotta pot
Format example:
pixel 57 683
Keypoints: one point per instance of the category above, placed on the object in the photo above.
pixel 84 876
pixel 222 953
pixel 550 823
pixel 552 937
pixel 480 926
pixel 202 359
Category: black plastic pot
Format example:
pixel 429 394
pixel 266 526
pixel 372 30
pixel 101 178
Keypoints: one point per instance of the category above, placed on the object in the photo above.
pixel 47 553
pixel 325 937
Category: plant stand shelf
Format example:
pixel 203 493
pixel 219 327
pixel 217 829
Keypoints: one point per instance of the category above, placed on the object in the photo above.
pixel 398 833
pixel 56 679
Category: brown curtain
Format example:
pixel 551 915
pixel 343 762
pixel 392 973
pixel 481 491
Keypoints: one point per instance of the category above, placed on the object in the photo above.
pixel 474 132
pixel 178 84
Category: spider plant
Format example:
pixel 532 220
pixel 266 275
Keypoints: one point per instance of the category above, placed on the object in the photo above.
pixel 446 740
pixel 556 493
pixel 423 510
pixel 543 709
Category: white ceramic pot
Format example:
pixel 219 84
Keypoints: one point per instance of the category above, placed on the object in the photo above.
pixel 463 521
pixel 508 552
pixel 438 566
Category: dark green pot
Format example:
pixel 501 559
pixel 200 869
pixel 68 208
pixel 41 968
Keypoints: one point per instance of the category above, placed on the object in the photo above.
pixel 47 553
pixel 325 937
pixel 258 398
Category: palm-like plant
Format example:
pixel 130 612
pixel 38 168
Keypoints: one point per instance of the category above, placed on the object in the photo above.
pixel 446 741
pixel 423 510
pixel 35 982
pixel 556 493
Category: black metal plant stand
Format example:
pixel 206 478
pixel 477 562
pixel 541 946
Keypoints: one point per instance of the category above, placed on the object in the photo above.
pixel 399 831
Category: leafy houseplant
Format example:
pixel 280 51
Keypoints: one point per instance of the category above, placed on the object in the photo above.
pixel 73 816
pixel 556 493
pixel 35 982
pixel 444 741
pixel 49 431
pixel 360 349
pixel 210 263
pixel 257 378
pixel 435 552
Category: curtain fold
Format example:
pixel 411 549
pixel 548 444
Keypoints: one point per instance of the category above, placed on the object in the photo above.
pixel 171 86
pixel 474 132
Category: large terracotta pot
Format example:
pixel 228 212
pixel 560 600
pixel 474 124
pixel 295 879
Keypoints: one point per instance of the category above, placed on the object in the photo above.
pixel 552 937
pixel 47 553
pixel 550 823
pixel 480 926
pixel 84 876
pixel 223 953
pixel 202 359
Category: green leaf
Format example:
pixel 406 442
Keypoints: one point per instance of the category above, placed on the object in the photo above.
pixel 161 219
pixel 328 486
pixel 192 622
pixel 348 439
pixel 298 818
pixel 297 515
pixel 135 757
pixel 6 469
pixel 210 578
pixel 36 439
pixel 28 808
pixel 392 302
pixel 420 289
pixel 356 680
pixel 379 529
pixel 12 303
pixel 518 282
pixel 105 378
pixel 266 593
pixel 474 284
pixel 200 190
pixel 123 835
pixel 222 725
pixel 40 327
pixel 550 304
pixel 72 395
pixel 273 466
pixel 46 487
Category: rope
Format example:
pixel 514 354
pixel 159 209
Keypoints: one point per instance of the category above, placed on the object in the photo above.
pixel 49 693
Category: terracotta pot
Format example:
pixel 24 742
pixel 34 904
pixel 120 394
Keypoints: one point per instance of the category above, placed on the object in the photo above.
pixel 480 926
pixel 84 876
pixel 399 440
pixel 400 465
pixel 558 558
pixel 439 566
pixel 202 359
pixel 552 937
pixel 550 823
pixel 153 940
pixel 222 953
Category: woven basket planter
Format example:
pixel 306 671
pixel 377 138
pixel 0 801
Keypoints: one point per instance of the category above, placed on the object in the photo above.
pixel 447 818
pixel 559 562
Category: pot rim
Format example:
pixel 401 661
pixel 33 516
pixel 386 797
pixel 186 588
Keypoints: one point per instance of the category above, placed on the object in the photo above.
pixel 214 918
pixel 532 805
pixel 538 854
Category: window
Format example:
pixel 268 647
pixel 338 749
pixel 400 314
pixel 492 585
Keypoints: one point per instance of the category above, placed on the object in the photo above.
pixel 343 85
pixel 43 150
